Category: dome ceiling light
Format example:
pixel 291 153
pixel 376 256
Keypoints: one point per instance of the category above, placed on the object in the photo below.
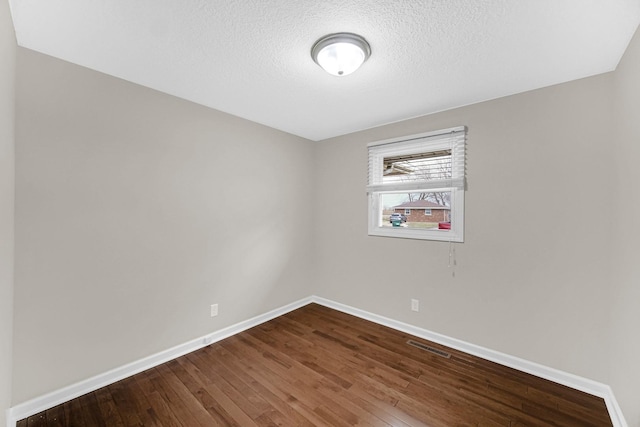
pixel 340 54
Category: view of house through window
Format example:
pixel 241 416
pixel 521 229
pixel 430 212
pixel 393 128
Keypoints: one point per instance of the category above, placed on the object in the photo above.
pixel 418 210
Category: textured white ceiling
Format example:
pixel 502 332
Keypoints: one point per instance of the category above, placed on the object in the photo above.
pixel 251 58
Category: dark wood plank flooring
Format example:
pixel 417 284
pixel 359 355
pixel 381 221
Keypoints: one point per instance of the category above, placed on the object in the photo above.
pixel 319 367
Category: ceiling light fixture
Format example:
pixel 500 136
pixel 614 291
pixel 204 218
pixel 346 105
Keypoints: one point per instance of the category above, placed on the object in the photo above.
pixel 340 54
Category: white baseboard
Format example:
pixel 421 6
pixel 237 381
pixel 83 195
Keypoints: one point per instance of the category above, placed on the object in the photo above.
pixel 57 397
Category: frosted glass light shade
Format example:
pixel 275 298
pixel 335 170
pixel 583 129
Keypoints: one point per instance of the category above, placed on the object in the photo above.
pixel 341 54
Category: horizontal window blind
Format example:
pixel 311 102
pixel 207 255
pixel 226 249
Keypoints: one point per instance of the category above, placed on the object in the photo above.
pixel 430 162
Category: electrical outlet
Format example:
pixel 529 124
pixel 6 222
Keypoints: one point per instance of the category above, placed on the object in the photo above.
pixel 415 305
pixel 214 310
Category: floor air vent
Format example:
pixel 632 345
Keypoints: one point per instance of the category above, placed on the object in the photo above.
pixel 429 349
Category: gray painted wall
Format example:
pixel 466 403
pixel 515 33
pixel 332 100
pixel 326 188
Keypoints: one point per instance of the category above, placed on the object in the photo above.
pixel 136 211
pixel 7 112
pixel 532 277
pixel 625 283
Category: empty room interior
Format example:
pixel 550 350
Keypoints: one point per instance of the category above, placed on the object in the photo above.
pixel 181 177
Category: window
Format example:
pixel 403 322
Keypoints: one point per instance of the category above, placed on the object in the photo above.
pixel 425 172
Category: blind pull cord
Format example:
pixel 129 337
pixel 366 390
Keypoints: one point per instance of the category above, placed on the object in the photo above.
pixel 452 259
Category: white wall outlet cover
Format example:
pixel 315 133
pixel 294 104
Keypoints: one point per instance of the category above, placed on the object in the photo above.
pixel 415 305
pixel 214 310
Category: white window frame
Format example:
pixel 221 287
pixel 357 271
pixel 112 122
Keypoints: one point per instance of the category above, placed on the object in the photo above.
pixel 453 139
pixel 407 212
pixel 428 212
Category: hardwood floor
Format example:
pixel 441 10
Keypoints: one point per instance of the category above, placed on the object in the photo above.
pixel 317 366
